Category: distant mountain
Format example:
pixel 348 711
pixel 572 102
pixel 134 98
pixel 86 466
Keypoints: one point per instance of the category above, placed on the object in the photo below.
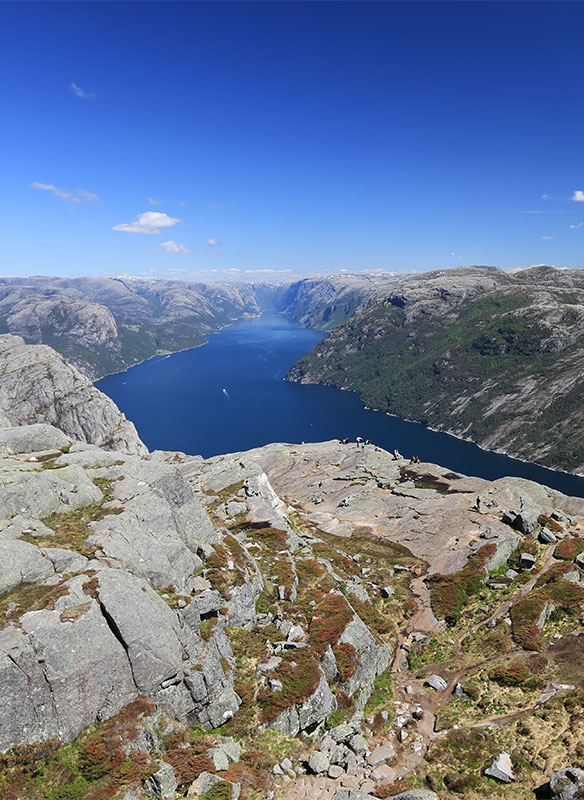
pixel 323 303
pixel 494 357
pixel 105 325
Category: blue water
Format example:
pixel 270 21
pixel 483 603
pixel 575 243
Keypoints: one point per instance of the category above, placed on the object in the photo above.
pixel 229 395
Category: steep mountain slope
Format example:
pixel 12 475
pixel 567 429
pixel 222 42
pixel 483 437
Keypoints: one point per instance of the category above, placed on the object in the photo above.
pixel 104 325
pixel 37 385
pixel 489 356
pixel 323 303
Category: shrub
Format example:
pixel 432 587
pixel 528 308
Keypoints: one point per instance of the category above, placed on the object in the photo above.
pixel 347 660
pixel 330 620
pixel 515 673
pixel 451 592
pixel 569 549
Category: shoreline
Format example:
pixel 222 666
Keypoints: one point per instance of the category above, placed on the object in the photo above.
pixel 500 452
pixel 181 349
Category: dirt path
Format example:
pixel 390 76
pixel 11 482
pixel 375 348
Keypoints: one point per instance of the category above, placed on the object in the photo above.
pixel 410 691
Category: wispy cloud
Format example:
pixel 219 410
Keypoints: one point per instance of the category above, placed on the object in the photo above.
pixel 232 270
pixel 79 197
pixel 213 242
pixel 153 201
pixel 546 237
pixel 176 247
pixel 578 196
pixel 148 222
pixel 215 205
pixel 248 271
pixel 81 93
pixel 545 211
pixel 577 225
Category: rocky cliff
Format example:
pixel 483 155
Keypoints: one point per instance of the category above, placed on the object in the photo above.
pixel 37 385
pixel 105 325
pixel 494 357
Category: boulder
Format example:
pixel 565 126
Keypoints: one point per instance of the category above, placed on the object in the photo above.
pixel 65 560
pixel 358 744
pixel 527 561
pixel 546 536
pixel 381 755
pixel 318 762
pixel 501 769
pixel 436 682
pixel 567 783
pixel 415 794
pixel 163 783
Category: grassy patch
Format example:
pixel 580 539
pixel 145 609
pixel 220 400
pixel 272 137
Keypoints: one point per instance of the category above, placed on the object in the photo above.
pixel 299 675
pixel 28 597
pixel 451 592
pixel 569 549
pixel 70 528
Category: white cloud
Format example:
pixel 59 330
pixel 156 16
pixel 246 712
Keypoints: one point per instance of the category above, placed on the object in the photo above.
pixel 176 247
pixel 81 93
pixel 78 197
pixel 212 241
pixel 233 269
pixel 267 270
pixel 546 237
pixel 153 201
pixel 577 225
pixel 148 222
pixel 578 196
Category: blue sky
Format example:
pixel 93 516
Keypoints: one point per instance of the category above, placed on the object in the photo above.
pixel 267 140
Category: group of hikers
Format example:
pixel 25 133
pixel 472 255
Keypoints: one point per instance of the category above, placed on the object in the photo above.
pixel 396 453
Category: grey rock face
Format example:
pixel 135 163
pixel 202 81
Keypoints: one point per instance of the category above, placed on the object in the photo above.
pixel 32 438
pixel 415 794
pixel 567 783
pixel 312 711
pixel 21 563
pixel 148 629
pixel 40 494
pixel 37 385
pixel 57 677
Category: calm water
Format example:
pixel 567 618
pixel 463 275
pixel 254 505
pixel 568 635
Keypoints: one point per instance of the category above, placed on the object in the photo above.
pixel 229 395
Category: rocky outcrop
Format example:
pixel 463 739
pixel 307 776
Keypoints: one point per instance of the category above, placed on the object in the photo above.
pixel 37 385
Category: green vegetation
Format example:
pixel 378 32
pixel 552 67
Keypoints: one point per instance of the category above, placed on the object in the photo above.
pixel 451 592
pixel 70 528
pixel 421 369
